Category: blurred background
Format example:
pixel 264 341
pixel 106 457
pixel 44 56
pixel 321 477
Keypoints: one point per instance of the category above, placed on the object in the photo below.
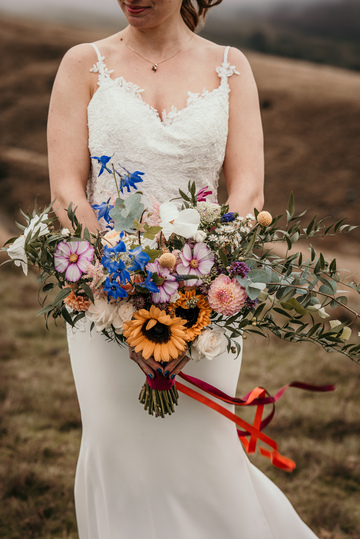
pixel 306 60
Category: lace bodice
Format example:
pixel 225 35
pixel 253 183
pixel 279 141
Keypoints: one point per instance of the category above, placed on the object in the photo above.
pixel 171 148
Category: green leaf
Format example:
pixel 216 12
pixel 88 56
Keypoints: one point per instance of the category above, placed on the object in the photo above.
pixel 137 225
pixel 184 196
pixel 151 232
pixel 291 206
pixel 87 291
pixel 293 304
pixel 62 295
pixel 223 258
pixel 153 253
pixel 126 211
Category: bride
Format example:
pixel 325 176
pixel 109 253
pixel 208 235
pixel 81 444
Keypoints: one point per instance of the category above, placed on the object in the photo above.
pixel 162 100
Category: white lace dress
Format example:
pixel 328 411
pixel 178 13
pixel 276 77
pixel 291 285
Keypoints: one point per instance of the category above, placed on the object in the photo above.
pixel 185 476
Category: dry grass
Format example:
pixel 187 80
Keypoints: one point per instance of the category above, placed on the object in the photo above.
pixel 40 426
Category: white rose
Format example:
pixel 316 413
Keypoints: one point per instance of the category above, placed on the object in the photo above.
pixel 101 312
pixel 65 232
pixel 16 251
pixel 209 344
pixel 199 236
pixel 36 225
pixel 123 313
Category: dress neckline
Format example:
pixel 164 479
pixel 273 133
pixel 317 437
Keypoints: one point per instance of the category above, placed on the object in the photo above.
pixel 164 118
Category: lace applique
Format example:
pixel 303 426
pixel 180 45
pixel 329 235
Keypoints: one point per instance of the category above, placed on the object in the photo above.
pixel 101 68
pixel 226 70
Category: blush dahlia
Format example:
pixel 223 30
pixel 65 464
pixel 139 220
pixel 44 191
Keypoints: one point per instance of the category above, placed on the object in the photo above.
pixel 226 296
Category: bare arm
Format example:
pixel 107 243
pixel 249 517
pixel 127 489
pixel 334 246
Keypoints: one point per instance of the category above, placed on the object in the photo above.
pixel 244 159
pixel 68 135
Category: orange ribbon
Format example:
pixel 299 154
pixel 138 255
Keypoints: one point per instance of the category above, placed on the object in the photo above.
pixel 257 397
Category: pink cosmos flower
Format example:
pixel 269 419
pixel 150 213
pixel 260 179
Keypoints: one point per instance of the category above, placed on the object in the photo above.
pixel 72 258
pixel 197 261
pixel 202 194
pixel 226 296
pixel 168 287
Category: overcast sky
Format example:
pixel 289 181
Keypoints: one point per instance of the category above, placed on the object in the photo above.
pixel 109 8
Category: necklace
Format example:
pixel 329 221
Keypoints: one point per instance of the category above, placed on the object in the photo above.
pixel 156 65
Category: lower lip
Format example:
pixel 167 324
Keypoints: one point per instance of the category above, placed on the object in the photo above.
pixel 135 10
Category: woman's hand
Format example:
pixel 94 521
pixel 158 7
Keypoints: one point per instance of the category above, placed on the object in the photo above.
pixel 150 367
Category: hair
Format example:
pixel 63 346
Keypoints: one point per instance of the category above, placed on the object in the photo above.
pixel 191 15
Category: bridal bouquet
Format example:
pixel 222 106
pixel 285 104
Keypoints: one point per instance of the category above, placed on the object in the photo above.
pixel 187 277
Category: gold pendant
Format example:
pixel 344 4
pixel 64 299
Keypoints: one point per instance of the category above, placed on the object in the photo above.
pixel 154 67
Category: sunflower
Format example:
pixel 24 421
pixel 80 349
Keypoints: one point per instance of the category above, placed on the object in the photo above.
pixel 194 308
pixel 155 333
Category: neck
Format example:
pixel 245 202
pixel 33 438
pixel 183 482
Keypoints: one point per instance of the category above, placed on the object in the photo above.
pixel 158 41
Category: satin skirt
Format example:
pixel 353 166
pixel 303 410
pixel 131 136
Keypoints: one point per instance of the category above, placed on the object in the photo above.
pixel 182 477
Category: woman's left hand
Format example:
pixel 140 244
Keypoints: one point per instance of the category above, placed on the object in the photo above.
pixel 174 366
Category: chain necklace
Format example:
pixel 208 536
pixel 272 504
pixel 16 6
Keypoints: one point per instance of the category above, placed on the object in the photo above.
pixel 156 65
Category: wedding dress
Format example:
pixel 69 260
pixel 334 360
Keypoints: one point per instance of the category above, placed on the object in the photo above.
pixel 185 476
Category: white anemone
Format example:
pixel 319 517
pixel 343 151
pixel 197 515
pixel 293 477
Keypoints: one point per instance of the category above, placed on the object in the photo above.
pixel 184 223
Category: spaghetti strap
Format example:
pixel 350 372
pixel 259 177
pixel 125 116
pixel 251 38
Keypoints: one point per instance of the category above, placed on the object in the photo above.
pixel 226 70
pixel 226 54
pixel 100 66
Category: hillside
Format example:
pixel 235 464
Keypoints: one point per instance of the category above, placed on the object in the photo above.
pixel 310 116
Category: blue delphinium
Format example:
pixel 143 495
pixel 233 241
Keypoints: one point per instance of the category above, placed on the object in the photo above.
pixel 103 161
pixel 111 254
pixel 113 289
pixel 139 259
pixel 149 284
pixel 130 179
pixel 103 210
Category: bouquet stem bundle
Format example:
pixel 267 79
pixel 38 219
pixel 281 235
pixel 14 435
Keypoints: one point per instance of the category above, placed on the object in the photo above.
pixel 159 402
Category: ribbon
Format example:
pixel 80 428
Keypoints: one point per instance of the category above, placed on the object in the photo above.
pixel 258 397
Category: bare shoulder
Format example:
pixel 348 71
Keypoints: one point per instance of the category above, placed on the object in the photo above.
pixel 79 57
pixel 238 59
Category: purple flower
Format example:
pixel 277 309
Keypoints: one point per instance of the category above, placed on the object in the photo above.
pixel 72 258
pixel 238 268
pixel 228 217
pixel 167 288
pixel 197 261
pixel 202 194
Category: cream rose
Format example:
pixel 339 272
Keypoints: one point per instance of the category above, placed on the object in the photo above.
pixel 210 344
pixel 101 312
pixel 123 313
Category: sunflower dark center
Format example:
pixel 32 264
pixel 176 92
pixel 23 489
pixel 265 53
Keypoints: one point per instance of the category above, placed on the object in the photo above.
pixel 191 315
pixel 160 333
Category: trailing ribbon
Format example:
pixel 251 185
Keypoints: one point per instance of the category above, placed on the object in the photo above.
pixel 258 397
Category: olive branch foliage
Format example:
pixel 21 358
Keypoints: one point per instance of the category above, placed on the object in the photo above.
pixel 290 290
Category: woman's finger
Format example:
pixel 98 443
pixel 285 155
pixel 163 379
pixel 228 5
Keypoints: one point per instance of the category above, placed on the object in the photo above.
pixel 179 367
pixel 147 365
